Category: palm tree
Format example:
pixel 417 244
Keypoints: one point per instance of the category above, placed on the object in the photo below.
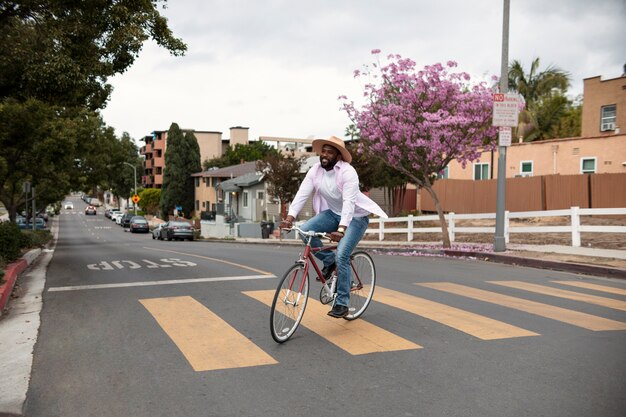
pixel 544 93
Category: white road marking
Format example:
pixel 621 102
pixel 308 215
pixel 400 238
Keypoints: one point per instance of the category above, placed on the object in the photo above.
pixel 150 283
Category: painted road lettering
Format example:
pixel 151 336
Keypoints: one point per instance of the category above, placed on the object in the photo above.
pixel 121 264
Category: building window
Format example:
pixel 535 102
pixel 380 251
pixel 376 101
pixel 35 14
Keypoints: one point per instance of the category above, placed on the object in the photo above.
pixel 197 205
pixel 245 199
pixel 607 118
pixel 481 171
pixel 443 175
pixel 197 182
pixel 260 195
pixel 526 168
pixel 588 165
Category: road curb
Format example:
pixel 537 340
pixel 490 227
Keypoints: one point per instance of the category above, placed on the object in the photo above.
pixel 577 268
pixel 11 272
pixel 584 269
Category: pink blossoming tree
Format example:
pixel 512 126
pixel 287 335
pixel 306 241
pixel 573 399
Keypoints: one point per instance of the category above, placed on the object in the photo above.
pixel 418 121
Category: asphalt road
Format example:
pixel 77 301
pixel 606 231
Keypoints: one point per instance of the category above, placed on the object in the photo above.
pixel 131 326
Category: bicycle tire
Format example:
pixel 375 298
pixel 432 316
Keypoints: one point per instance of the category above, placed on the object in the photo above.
pixel 288 305
pixel 360 298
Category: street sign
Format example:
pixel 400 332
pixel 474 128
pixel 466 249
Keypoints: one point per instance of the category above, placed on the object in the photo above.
pixel 505 109
pixel 504 136
pixel 135 199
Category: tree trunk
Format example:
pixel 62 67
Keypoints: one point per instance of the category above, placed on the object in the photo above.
pixel 444 226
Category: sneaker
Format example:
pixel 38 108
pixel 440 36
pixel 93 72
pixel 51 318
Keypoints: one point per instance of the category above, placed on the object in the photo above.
pixel 327 271
pixel 339 311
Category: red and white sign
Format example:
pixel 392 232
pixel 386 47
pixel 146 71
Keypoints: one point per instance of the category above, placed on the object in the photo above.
pixel 505 109
pixel 505 136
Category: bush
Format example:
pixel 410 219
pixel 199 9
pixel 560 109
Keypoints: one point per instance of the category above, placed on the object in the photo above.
pixel 35 238
pixel 10 242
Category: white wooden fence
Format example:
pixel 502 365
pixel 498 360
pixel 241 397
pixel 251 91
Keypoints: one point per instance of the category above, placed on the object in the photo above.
pixel 575 227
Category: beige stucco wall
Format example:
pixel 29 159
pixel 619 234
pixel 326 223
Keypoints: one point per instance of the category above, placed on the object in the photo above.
pixel 555 156
pixel 210 144
pixel 238 135
pixel 598 93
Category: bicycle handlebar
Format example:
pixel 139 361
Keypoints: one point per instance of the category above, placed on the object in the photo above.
pixel 309 233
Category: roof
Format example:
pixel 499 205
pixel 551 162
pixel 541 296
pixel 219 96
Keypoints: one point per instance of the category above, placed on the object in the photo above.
pixel 236 184
pixel 229 172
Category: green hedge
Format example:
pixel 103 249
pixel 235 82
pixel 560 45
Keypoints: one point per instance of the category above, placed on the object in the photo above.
pixel 10 242
pixel 13 240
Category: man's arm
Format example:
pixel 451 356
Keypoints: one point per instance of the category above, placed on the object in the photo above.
pixel 305 190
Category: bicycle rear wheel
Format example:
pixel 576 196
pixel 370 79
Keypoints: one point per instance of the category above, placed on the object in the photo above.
pixel 289 303
pixel 362 282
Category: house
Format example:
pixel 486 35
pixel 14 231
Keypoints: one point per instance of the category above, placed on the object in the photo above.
pixel 566 156
pixel 210 198
pixel 211 146
pixel 604 106
pixel 244 197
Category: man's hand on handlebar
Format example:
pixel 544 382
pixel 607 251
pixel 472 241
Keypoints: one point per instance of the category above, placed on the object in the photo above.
pixel 335 236
pixel 287 223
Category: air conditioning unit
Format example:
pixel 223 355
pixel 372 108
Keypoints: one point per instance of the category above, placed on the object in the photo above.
pixel 607 126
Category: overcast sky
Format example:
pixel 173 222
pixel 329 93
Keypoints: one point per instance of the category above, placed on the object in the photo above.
pixel 278 66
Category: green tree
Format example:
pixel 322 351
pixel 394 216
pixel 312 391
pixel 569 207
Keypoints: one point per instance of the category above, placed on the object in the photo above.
pixel 35 146
pixel 253 151
pixel 282 176
pixel 545 95
pixel 120 177
pixel 150 200
pixel 182 158
pixel 63 52
pixel 569 124
pixel 55 61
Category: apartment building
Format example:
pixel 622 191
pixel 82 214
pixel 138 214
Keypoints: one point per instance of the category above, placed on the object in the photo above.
pixel 211 144
pixel 604 106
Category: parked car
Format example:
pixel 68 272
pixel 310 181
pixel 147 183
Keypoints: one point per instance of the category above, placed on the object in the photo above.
pixel 157 231
pixel 40 223
pixel 90 210
pixel 68 205
pixel 110 212
pixel 117 217
pixel 125 220
pixel 138 224
pixel 176 230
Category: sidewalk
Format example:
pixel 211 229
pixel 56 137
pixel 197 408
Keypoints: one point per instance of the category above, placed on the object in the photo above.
pixel 609 263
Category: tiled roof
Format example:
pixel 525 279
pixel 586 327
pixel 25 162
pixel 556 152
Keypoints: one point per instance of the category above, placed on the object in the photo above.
pixel 246 180
pixel 232 171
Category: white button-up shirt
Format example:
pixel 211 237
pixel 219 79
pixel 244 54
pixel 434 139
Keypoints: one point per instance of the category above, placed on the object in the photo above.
pixel 355 203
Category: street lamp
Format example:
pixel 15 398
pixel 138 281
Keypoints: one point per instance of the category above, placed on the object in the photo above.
pixel 134 167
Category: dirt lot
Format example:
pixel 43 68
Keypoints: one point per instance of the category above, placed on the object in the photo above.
pixel 593 240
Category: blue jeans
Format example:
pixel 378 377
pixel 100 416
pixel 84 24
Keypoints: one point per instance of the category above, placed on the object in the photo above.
pixel 327 221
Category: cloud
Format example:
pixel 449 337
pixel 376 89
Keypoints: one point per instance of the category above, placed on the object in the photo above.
pixel 278 66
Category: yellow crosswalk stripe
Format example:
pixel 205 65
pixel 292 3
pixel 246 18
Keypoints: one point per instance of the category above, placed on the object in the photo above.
pixel 570 295
pixel 356 337
pixel 206 341
pixel 575 318
pixel 476 325
pixel 590 286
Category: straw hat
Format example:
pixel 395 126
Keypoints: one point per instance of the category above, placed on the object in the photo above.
pixel 335 142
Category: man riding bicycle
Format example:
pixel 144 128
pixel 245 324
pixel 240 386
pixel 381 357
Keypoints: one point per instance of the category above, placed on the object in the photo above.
pixel 341 210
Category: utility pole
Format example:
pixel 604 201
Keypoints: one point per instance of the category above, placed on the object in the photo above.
pixel 499 244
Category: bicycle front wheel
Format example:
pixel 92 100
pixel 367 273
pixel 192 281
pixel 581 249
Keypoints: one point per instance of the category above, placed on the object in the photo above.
pixel 289 303
pixel 362 284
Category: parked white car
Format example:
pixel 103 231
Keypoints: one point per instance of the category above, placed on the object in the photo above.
pixel 117 217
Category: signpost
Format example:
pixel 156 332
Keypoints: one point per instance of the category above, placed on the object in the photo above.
pixel 503 116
